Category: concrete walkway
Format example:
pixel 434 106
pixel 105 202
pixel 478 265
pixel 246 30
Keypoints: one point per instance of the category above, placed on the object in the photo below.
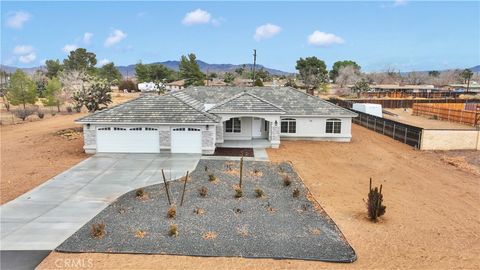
pixel 44 217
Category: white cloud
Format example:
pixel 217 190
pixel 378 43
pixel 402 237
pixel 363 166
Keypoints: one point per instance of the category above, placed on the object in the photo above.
pixel 197 16
pixel 17 19
pixel 398 3
pixel 26 53
pixel 27 58
pixel 115 37
pixel 266 31
pixel 87 38
pixel 69 47
pixel 104 61
pixel 323 39
pixel 23 49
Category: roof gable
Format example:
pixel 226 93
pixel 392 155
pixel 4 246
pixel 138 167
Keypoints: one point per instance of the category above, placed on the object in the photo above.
pixel 246 102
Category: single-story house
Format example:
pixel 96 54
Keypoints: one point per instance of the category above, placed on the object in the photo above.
pixel 198 119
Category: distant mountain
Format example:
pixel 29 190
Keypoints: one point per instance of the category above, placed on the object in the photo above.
pixel 217 68
pixel 130 69
pixel 475 68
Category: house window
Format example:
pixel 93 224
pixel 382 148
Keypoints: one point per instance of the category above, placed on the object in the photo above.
pixel 136 129
pixel 150 128
pixel 288 125
pixel 233 125
pixel 104 128
pixel 333 126
pixel 119 128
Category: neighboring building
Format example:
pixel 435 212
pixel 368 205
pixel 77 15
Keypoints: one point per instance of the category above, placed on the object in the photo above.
pixel 462 87
pixel 197 119
pixel 176 85
pixel 396 87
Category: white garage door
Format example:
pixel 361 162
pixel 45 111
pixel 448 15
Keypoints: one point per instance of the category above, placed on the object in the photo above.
pixel 186 140
pixel 128 140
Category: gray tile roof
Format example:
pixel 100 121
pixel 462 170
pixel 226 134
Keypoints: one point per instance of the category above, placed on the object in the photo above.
pixel 246 102
pixel 187 106
pixel 294 102
pixel 170 108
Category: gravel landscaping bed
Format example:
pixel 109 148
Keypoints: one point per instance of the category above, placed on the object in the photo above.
pixel 275 225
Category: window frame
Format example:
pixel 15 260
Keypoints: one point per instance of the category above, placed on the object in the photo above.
pixel 290 125
pixel 233 125
pixel 333 126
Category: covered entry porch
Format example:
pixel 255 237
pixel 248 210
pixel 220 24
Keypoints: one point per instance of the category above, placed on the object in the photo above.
pixel 259 131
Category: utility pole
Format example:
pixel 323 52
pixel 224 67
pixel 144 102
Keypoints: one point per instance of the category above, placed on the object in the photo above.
pixel 254 64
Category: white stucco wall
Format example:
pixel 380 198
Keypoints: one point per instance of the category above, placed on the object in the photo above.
pixel 313 128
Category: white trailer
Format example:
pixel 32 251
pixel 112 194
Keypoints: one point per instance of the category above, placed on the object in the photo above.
pixel 369 108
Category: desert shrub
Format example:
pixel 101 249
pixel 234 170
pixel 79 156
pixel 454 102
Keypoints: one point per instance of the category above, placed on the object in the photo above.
pixel 40 114
pixel 203 191
pixel 238 193
pixel 98 230
pixel 128 85
pixel 140 234
pixel 53 113
pixel 23 113
pixel 140 192
pixel 212 177
pixel 296 193
pixel 199 211
pixel 69 109
pixel 287 181
pixel 173 230
pixel 259 193
pixel 375 207
pixel 172 212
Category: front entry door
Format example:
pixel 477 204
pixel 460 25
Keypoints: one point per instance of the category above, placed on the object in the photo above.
pixel 256 127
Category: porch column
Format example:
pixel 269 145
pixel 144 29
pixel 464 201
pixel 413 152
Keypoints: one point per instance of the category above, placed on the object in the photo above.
pixel 219 133
pixel 274 134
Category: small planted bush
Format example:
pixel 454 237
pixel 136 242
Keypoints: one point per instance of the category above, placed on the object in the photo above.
pixel 375 205
pixel 212 177
pixel 287 181
pixel 173 230
pixel 140 193
pixel 199 211
pixel 40 114
pixel 172 212
pixel 238 193
pixel 259 193
pixel 69 109
pixel 203 191
pixel 98 230
pixel 296 193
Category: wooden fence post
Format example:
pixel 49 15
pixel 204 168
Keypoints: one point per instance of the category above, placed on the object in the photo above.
pixel 241 172
pixel 166 188
pixel 184 186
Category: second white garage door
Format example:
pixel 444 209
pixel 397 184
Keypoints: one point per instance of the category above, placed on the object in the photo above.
pixel 186 140
pixel 128 140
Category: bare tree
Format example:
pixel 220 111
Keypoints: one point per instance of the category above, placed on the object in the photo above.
pixel 72 81
pixel 347 75
pixel 415 78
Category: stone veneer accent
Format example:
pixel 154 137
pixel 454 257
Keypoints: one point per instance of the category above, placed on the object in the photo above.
pixel 89 139
pixel 165 139
pixel 274 136
pixel 208 141
pixel 219 133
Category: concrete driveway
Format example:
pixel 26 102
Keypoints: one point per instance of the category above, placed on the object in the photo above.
pixel 47 215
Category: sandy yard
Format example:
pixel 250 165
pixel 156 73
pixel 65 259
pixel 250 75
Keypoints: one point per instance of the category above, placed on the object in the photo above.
pixel 32 152
pixel 432 219
pixel 406 117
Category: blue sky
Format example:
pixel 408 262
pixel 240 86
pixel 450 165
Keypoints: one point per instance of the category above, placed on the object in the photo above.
pixel 400 34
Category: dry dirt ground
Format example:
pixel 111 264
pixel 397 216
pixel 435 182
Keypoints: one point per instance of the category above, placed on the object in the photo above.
pixel 406 117
pixel 432 218
pixel 32 151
